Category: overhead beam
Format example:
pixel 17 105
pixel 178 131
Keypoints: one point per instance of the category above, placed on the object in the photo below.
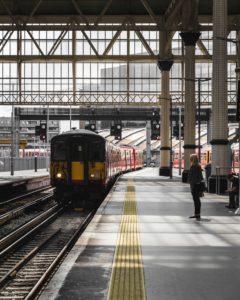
pixel 113 40
pixel 35 43
pixel 5 39
pixel 90 43
pixel 106 7
pixel 173 8
pixel 84 18
pixel 102 27
pixel 150 11
pixel 101 58
pixel 108 20
pixel 35 8
pixel 144 42
pixel 202 47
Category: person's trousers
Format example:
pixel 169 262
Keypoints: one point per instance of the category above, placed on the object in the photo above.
pixel 232 203
pixel 196 199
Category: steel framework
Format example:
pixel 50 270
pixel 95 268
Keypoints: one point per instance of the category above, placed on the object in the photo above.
pixel 97 59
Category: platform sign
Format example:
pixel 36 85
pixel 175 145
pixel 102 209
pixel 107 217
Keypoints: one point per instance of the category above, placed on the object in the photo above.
pixel 238 102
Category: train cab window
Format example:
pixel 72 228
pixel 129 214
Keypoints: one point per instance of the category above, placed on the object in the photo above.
pixel 96 151
pixel 77 152
pixel 59 150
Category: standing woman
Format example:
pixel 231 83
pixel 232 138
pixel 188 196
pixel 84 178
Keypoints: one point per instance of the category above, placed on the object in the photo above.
pixel 194 178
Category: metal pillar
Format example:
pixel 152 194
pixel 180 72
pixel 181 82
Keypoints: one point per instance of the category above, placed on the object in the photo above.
pixel 17 135
pixel 219 102
pixel 12 144
pixel 148 143
pixel 165 150
pixel 190 40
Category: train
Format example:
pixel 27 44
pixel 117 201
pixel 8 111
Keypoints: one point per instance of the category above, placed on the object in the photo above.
pixel 84 165
pixel 206 156
pixel 33 152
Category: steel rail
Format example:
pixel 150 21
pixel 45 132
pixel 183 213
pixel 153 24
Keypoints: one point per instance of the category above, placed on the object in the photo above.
pixel 45 277
pixel 21 234
pixel 12 273
pixel 20 210
pixel 25 195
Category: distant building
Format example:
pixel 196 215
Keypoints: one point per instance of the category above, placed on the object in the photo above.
pixel 26 131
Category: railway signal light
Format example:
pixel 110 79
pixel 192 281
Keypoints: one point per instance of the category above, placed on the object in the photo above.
pixel 43 132
pixel 116 131
pixel 91 127
pixel 176 131
pixel 155 130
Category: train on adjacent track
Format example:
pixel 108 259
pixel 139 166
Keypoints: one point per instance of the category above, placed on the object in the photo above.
pixel 33 152
pixel 84 165
pixel 206 156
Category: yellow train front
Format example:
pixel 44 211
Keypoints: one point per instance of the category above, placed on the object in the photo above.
pixel 78 167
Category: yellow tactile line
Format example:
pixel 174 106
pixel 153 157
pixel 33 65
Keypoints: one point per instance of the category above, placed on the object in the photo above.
pixel 127 279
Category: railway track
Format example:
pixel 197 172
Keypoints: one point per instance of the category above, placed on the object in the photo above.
pixel 16 202
pixel 22 214
pixel 25 266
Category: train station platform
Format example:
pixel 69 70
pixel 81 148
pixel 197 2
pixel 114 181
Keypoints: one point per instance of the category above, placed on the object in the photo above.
pixel 141 244
pixel 21 181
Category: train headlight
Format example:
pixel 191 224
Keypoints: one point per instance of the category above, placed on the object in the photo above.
pixel 59 175
pixel 92 175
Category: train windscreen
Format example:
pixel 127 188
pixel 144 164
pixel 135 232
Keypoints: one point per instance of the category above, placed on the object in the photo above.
pixel 96 151
pixel 59 150
pixel 77 151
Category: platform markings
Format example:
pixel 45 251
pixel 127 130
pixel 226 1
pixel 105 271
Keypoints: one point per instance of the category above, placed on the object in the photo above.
pixel 127 279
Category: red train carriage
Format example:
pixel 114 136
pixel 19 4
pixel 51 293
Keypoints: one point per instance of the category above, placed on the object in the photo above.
pixel 235 157
pixel 31 152
pixel 206 156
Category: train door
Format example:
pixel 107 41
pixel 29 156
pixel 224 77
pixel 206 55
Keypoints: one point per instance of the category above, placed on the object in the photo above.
pixel 78 164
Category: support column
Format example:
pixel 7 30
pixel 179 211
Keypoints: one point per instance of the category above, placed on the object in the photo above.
pixel 190 40
pixel 74 64
pixel 219 102
pixel 165 150
pixel 17 135
pixel 148 143
pixel 19 65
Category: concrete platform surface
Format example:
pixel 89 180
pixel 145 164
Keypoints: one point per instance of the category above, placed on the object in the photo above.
pixel 22 181
pixel 181 258
pixel 23 174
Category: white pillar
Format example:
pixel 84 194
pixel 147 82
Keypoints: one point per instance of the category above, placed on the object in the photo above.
pixel 219 102
pixel 165 167
pixel 148 143
pixel 189 39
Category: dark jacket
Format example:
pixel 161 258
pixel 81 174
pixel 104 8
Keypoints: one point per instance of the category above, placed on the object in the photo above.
pixel 195 175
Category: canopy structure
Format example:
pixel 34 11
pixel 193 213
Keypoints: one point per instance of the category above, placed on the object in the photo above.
pixel 104 52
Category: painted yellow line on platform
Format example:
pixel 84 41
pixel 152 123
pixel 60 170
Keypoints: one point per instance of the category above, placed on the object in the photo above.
pixel 127 279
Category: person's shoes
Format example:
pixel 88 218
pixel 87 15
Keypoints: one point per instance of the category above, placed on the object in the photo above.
pixel 198 218
pixel 192 217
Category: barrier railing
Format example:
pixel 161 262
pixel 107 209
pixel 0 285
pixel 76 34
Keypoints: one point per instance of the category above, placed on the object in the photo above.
pixel 24 163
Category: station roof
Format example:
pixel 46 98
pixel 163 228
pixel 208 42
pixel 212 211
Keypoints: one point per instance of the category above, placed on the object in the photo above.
pixel 96 7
